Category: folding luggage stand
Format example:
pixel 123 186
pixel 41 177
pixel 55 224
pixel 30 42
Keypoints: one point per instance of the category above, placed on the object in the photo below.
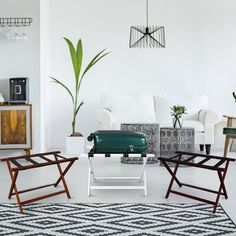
pixel 92 176
pixel 209 162
pixel 43 160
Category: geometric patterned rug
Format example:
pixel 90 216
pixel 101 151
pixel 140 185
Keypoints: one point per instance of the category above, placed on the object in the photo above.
pixel 115 219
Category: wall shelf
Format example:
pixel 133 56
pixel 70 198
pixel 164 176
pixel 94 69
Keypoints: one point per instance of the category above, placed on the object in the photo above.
pixel 15 22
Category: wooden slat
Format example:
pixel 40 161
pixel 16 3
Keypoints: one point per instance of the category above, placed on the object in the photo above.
pixel 201 188
pixel 191 164
pixel 32 189
pixel 33 155
pixel 45 164
pixel 60 156
pixel 203 161
pixel 45 158
pixel 204 155
pixel 193 197
pixel 42 197
pixel 220 163
pixel 32 161
pixel 16 163
pixel 190 158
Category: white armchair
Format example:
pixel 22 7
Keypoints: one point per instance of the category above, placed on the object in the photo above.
pixel 117 109
pixel 204 128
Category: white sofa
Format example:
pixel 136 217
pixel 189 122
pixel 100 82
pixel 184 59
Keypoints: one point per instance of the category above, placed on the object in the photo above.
pixel 145 108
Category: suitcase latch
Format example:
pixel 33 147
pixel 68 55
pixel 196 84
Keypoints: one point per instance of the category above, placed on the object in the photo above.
pixel 131 148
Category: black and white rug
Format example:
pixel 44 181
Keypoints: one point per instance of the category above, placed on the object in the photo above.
pixel 115 219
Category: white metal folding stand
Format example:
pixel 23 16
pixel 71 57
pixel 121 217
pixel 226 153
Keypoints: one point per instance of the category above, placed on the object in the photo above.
pixel 142 179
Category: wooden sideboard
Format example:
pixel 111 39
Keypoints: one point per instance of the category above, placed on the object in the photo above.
pixel 16 127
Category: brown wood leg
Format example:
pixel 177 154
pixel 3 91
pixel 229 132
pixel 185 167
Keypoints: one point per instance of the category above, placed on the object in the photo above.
pixel 222 178
pixel 172 180
pixel 171 173
pixel 64 173
pixel 13 184
pixel 62 178
pixel 15 188
pixel 223 185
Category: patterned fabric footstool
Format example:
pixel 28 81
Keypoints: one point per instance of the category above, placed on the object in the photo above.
pixel 152 133
pixel 176 139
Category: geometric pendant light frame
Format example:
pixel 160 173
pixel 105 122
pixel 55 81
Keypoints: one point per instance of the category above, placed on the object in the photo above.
pixel 147 36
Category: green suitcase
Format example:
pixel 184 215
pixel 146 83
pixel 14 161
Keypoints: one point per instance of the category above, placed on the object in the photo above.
pixel 116 141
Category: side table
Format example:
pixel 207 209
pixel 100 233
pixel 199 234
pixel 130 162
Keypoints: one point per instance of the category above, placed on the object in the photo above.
pixel 176 139
pixel 152 133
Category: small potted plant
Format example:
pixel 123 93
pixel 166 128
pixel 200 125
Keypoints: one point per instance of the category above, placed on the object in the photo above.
pixel 177 112
pixel 75 142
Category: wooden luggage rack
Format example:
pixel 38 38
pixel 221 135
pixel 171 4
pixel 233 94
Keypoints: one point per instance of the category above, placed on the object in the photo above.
pixel 220 165
pixel 43 160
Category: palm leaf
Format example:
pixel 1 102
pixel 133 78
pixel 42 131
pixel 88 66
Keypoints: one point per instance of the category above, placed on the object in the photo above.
pixel 64 86
pixel 78 108
pixel 73 55
pixel 79 54
pixel 93 62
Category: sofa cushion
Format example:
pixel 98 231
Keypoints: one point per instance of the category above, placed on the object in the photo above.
pixel 130 108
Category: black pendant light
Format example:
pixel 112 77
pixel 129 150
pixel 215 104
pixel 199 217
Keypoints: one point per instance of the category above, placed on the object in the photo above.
pixel 147 36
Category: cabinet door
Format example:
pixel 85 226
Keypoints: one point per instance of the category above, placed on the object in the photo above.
pixel 15 127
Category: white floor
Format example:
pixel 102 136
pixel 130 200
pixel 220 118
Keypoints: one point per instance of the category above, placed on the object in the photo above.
pixel 157 179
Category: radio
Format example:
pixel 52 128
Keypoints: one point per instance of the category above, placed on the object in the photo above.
pixel 19 90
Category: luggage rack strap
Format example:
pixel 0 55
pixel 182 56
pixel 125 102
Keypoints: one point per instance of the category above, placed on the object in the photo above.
pixel 36 164
pixel 199 164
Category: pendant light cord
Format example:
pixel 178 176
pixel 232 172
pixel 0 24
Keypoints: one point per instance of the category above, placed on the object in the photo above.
pixel 147 11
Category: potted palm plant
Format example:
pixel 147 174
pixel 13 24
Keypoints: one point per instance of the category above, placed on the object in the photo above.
pixel 75 142
pixel 177 112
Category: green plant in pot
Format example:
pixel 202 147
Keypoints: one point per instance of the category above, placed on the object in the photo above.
pixel 76 55
pixel 177 112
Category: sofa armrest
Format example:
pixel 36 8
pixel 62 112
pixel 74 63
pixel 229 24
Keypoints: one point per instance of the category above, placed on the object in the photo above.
pixel 104 118
pixel 208 117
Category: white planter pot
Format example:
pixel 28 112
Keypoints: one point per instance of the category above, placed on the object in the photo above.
pixel 75 145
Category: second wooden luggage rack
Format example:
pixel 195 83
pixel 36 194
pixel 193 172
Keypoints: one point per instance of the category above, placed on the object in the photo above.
pixel 216 164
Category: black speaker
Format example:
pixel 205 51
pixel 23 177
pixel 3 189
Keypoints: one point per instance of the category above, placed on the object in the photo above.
pixel 19 90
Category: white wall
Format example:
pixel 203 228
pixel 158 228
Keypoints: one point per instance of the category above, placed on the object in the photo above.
pixel 200 56
pixel 22 58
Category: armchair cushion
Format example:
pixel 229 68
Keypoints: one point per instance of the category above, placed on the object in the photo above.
pixel 198 126
pixel 208 117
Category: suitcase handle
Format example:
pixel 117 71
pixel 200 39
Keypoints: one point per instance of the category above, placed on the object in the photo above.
pixel 91 137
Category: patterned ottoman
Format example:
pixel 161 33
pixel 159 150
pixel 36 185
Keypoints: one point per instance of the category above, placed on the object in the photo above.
pixel 152 133
pixel 176 139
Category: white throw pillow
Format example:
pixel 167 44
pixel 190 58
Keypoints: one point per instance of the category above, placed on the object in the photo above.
pixel 130 108
pixel 162 109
